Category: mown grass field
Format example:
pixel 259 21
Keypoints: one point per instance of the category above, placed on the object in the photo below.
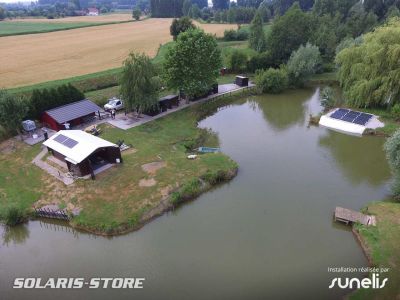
pixel 17 28
pixel 383 244
pixel 116 198
pixel 103 18
pixel 30 59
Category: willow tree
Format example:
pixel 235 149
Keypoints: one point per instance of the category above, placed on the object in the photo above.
pixel 392 148
pixel 257 39
pixel 369 73
pixel 139 83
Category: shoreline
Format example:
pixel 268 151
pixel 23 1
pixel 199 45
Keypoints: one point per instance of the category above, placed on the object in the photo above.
pixel 165 205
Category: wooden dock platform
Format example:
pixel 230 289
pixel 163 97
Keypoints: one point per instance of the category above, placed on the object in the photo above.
pixel 52 212
pixel 349 216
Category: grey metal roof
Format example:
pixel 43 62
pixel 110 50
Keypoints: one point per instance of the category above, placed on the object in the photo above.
pixel 73 111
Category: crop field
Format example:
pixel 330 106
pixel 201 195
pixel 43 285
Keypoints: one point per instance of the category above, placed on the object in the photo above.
pixel 30 59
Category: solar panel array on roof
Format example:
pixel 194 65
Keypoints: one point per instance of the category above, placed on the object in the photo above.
pixel 66 141
pixel 351 116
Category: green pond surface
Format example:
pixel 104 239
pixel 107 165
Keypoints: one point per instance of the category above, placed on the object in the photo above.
pixel 267 234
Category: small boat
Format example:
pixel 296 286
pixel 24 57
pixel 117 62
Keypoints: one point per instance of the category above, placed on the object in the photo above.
pixel 207 150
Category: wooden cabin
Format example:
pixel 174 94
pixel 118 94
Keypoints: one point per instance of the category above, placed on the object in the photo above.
pixel 70 115
pixel 82 152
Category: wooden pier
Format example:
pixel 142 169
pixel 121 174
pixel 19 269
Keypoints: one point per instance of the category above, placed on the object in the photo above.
pixel 52 212
pixel 349 216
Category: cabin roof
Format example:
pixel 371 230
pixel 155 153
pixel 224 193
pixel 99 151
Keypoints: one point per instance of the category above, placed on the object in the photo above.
pixel 76 145
pixel 73 111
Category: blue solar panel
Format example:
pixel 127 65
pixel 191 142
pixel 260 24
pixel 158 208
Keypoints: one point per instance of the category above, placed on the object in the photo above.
pixel 70 143
pixel 339 113
pixel 66 141
pixel 350 116
pixel 362 119
pixel 60 138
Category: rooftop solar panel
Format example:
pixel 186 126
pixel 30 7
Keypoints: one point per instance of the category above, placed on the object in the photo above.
pixel 70 143
pixel 339 113
pixel 60 138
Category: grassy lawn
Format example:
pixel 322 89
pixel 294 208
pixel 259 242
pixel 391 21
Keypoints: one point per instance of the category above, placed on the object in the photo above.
pixel 117 199
pixel 383 244
pixel 19 181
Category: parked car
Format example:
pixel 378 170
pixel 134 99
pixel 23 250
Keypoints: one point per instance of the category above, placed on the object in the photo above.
pixel 114 103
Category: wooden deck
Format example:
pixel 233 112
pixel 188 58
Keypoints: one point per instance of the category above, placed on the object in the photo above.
pixel 52 212
pixel 349 216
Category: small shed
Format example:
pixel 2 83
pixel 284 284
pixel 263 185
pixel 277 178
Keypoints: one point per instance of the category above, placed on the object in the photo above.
pixel 69 115
pixel 242 80
pixel 82 152
pixel 168 101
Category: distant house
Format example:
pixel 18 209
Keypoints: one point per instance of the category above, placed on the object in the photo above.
pixel 82 152
pixel 70 115
pixel 92 11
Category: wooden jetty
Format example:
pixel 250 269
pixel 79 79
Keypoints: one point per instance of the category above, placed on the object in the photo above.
pixel 349 216
pixel 52 212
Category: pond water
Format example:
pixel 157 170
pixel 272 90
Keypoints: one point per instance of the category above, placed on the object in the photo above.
pixel 266 234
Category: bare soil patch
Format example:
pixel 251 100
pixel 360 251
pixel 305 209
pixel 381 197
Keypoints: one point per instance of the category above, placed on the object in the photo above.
pixel 151 168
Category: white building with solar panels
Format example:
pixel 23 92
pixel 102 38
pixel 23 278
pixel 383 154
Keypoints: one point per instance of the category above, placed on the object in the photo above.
pixel 350 121
pixel 82 152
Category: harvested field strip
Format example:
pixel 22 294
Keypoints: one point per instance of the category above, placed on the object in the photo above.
pixel 64 54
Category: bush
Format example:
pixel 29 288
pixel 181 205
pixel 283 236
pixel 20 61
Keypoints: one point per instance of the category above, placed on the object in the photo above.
pixel 328 98
pixel 303 63
pixel 235 35
pixel 272 80
pixel 260 61
pixel 230 35
pixel 14 215
pixel 189 190
pixel 237 61
pixel 396 111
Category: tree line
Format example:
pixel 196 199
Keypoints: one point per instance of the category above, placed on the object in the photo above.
pixel 14 109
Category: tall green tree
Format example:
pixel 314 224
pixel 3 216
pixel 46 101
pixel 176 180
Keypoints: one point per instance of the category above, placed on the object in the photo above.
pixel 192 64
pixel 392 148
pixel 139 86
pixel 288 33
pixel 303 63
pixel 220 4
pixel 200 3
pixel 12 111
pixel 369 73
pixel 195 12
pixel 265 11
pixel 180 25
pixel 257 39
pixel 2 13
pixel 187 4
pixel 166 8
